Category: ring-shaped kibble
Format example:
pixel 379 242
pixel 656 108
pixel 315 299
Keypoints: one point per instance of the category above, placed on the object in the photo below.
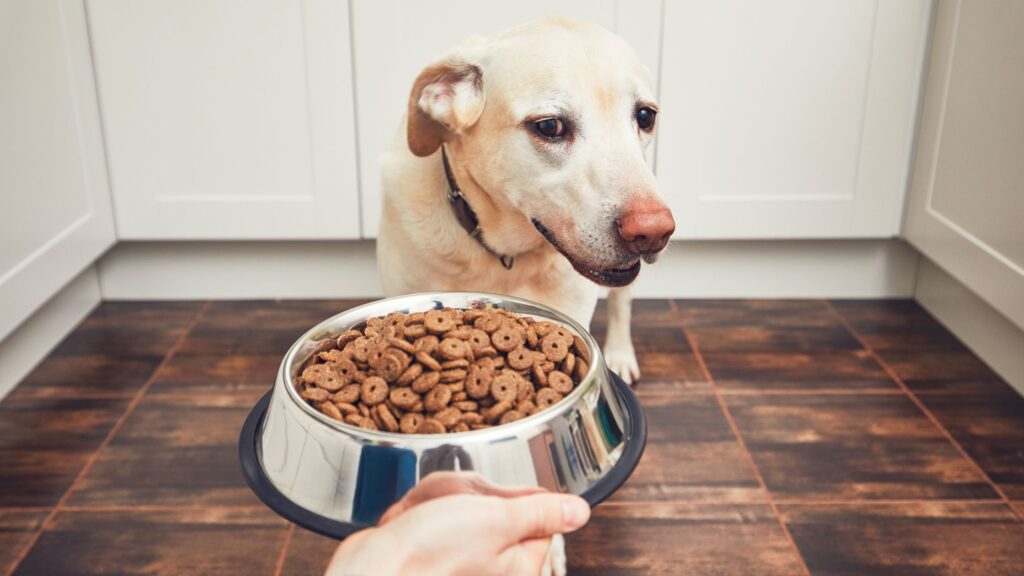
pixel 426 343
pixel 414 330
pixel 348 336
pixel 449 416
pixel 581 348
pixel 478 382
pixel 554 347
pixel 452 364
pixel 505 387
pixel 539 375
pixel 510 416
pixel 346 408
pixel 330 410
pixel 425 382
pixel 410 374
pixel 391 365
pixel 403 345
pixel 346 368
pixel 506 339
pixel 560 382
pixel 438 321
pixel 460 427
pixel 347 394
pixel 454 375
pixel 428 361
pixel 410 422
pixel 452 348
pixel 437 398
pixel 374 391
pixel 569 363
pixel 520 358
pixel 315 394
pixel 387 419
pixel 581 370
pixel 404 398
pixel 524 390
pixel 430 426
pixel 489 323
pixel 495 412
pixel 546 397
pixel 478 340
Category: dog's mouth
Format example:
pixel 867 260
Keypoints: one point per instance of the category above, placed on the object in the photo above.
pixel 611 277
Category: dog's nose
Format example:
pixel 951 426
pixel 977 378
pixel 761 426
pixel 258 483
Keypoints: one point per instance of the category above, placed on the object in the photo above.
pixel 646 227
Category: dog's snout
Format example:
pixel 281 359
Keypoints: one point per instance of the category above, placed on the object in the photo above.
pixel 646 227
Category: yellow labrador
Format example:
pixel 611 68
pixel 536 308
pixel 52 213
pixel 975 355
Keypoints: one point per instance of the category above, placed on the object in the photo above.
pixel 547 194
pixel 520 170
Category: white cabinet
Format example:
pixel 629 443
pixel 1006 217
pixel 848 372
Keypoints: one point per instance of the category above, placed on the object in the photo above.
pixel 394 40
pixel 228 119
pixel 55 214
pixel 788 119
pixel 966 208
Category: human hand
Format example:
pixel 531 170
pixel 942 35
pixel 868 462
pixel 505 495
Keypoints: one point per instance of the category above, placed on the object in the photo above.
pixel 457 523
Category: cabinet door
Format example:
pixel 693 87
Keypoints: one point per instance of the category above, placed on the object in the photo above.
pixel 789 119
pixel 228 119
pixel 394 40
pixel 966 208
pixel 54 199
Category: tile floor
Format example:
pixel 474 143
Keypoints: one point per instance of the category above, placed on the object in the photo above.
pixel 786 437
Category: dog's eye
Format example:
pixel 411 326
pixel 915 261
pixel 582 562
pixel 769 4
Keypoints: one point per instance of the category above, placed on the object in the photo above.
pixel 551 128
pixel 645 118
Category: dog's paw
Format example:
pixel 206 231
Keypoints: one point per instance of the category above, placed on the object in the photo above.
pixel 554 564
pixel 622 361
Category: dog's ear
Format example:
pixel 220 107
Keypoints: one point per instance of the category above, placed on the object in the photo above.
pixel 446 99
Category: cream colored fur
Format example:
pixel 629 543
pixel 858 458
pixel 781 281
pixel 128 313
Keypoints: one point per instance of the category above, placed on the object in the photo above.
pixel 478 99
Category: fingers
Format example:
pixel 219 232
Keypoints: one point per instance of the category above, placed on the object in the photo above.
pixel 541 515
pixel 440 484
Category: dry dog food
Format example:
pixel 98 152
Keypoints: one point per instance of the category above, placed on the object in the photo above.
pixel 443 371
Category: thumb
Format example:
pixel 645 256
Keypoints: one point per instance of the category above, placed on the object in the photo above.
pixel 542 515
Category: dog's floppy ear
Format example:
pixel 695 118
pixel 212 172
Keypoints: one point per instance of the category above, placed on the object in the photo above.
pixel 446 99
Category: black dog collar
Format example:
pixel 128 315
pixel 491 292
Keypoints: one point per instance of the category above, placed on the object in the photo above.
pixel 466 216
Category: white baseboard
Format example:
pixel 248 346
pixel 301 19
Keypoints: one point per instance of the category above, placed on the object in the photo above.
pixel 31 341
pixel 993 337
pixel 698 269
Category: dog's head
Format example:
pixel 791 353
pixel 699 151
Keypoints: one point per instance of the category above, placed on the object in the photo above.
pixel 552 119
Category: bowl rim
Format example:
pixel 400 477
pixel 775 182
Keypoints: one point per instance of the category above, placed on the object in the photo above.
pixel 358 314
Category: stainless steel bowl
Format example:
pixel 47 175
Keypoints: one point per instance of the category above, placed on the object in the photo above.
pixel 336 478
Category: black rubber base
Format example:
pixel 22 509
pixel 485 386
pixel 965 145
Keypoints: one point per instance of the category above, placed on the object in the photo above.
pixel 258 482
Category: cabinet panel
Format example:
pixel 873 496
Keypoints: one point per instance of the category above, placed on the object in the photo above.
pixel 788 119
pixel 55 216
pixel 966 212
pixel 228 119
pixel 394 40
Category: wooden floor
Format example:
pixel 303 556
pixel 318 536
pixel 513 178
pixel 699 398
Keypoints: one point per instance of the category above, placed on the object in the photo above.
pixel 786 437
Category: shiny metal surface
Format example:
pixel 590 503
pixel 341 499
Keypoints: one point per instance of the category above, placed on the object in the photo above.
pixel 353 475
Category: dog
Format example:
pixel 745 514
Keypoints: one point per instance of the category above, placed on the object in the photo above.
pixel 520 169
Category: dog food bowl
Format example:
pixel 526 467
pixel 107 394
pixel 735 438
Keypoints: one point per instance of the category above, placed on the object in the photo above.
pixel 335 478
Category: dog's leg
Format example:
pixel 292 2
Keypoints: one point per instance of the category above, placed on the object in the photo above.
pixel 618 345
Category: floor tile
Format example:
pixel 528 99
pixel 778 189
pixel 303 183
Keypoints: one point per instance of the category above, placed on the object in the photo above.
pixel 990 427
pixel 308 553
pixel 645 312
pixel 927 371
pixel 210 541
pixel 899 540
pixel 16 530
pixel 774 372
pixel 681 539
pixel 691 454
pixel 765 326
pixel 189 374
pixel 130 329
pixel 44 443
pixel 896 325
pixel 852 447
pixel 171 452
pixel 92 375
pixel 667 364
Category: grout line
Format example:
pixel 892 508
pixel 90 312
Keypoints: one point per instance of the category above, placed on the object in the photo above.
pixel 673 306
pixel 921 406
pixel 136 400
pixel 112 508
pixel 284 550
pixel 746 452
